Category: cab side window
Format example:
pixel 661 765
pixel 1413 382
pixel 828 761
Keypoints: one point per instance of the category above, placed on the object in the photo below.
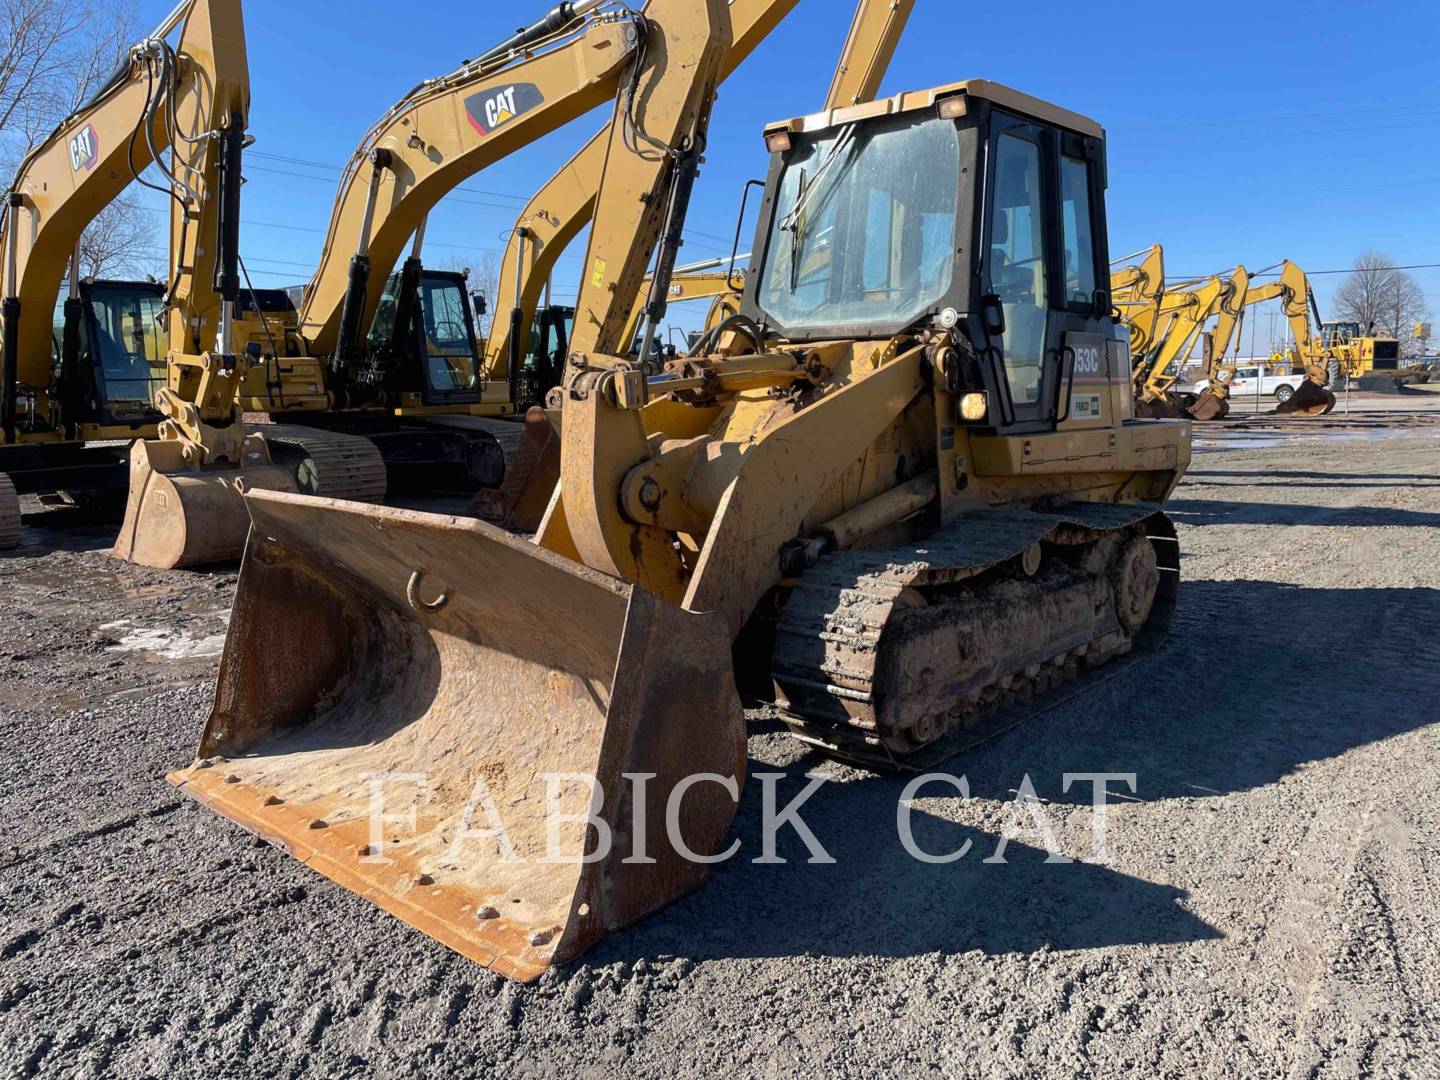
pixel 1079 233
pixel 1018 271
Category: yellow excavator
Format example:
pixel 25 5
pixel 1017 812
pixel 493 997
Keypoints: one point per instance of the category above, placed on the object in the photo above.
pixel 1166 321
pixel 365 393
pixel 1313 397
pixel 565 205
pixel 906 485
pixel 384 391
pixel 1183 312
pixel 1137 291
pixel 73 394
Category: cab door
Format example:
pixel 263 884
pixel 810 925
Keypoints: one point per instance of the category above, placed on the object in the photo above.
pixel 1016 279
pixel 1046 316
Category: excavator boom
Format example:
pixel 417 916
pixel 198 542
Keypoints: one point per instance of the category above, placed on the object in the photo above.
pixel 558 212
pixel 182 508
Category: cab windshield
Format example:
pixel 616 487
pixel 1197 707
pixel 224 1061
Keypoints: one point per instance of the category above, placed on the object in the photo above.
pixel 864 227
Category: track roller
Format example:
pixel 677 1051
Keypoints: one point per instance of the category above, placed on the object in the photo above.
pixel 9 514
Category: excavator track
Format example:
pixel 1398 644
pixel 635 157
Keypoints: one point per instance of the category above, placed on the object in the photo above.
pixel 9 514
pixel 898 659
pixel 329 464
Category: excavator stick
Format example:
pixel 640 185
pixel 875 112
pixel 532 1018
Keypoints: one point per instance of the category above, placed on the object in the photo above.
pixel 176 516
pixel 431 680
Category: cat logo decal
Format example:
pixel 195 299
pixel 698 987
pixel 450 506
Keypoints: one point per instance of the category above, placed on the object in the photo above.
pixel 493 109
pixel 85 149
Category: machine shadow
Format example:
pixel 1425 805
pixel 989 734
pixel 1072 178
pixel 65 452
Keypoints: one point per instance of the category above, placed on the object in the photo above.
pixel 1202 512
pixel 876 900
pixel 1205 716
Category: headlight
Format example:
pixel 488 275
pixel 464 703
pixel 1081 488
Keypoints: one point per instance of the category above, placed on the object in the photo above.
pixel 974 408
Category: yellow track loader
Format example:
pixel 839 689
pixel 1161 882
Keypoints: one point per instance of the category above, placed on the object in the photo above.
pixel 905 486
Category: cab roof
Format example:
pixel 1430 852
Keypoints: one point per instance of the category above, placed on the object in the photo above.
pixel 912 100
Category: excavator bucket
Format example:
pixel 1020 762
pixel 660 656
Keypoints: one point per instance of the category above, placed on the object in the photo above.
pixel 176 516
pixel 1309 399
pixel 427 709
pixel 520 502
pixel 1209 406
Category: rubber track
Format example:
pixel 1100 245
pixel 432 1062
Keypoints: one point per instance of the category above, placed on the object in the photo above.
pixel 345 467
pixel 9 514
pixel 845 600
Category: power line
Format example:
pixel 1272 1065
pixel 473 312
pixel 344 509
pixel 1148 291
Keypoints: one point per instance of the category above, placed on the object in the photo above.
pixel 339 170
pixel 1317 273
pixel 325 180
pixel 449 197
pixel 248 223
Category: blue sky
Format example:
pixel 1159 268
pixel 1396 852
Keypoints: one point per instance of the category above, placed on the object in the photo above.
pixel 1309 132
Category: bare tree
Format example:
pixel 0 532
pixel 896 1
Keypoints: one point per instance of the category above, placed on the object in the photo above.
pixel 120 243
pixel 54 55
pixel 483 275
pixel 1382 299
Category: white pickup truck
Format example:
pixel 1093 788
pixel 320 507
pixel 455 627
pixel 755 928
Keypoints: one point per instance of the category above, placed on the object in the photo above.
pixel 1253 379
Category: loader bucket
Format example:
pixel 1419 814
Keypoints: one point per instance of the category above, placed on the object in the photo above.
pixel 176 516
pixel 1309 399
pixel 395 684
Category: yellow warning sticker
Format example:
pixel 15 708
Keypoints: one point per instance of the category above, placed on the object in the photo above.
pixel 597 276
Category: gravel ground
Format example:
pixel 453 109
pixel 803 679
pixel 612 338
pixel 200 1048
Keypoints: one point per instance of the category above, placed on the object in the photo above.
pixel 1269 907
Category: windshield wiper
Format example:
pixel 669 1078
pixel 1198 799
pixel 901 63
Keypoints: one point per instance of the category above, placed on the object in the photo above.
pixel 794 221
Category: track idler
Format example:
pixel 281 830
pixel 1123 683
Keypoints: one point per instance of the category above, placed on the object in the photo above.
pixel 397 686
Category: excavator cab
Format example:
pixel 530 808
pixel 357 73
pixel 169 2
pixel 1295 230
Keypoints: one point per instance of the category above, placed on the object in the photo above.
pixel 544 362
pixel 422 342
pixel 110 353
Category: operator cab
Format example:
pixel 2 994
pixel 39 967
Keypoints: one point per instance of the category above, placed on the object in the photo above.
pixel 109 351
pixel 544 363
pixel 972 207
pixel 427 347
